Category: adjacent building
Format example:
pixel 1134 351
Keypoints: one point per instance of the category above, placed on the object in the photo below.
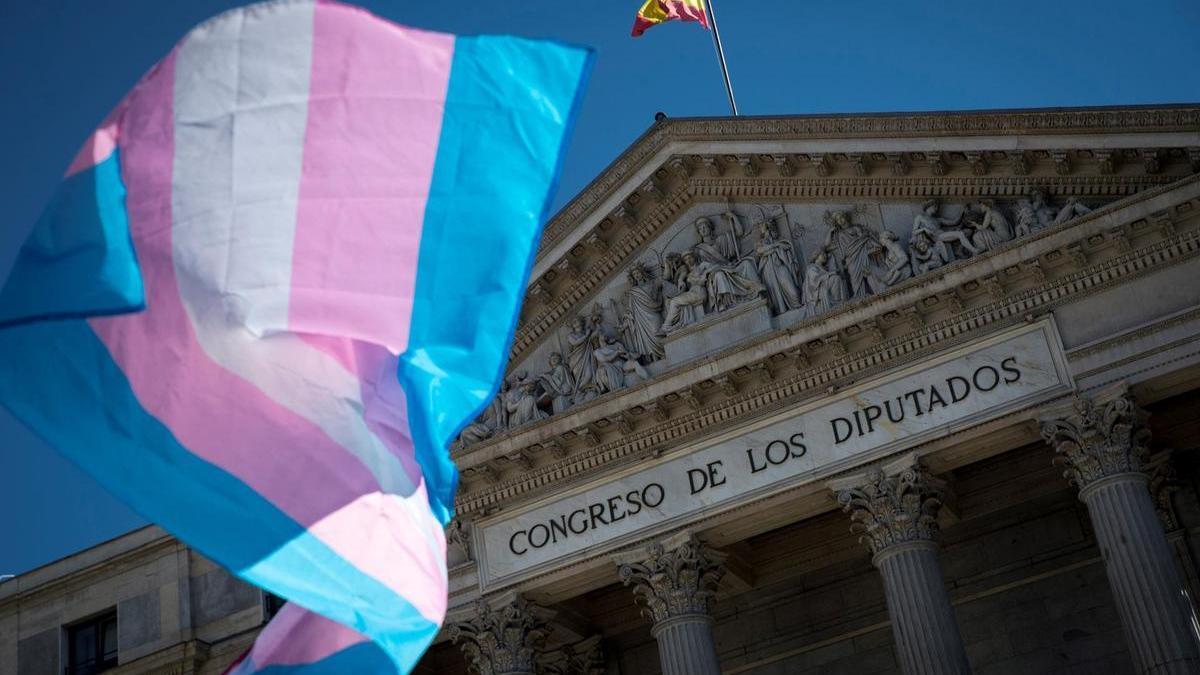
pixel 906 393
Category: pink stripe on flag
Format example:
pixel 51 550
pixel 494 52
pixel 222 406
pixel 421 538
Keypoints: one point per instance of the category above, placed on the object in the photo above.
pixel 394 540
pixel 226 420
pixel 217 415
pixel 379 150
pixel 297 636
pixel 99 146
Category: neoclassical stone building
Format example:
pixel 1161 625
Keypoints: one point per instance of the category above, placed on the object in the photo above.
pixel 907 393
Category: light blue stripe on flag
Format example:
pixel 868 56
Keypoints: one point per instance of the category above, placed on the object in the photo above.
pixel 509 109
pixel 78 260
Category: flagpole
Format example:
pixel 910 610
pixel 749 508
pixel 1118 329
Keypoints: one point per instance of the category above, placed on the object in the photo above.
pixel 712 18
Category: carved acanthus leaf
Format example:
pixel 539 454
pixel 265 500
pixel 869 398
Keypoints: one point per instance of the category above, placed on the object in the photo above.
pixel 1099 439
pixel 505 641
pixel 677 582
pixel 890 509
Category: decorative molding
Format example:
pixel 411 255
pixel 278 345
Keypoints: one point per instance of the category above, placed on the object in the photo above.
pixel 892 505
pixel 1099 438
pixel 675 582
pixel 505 641
pixel 813 376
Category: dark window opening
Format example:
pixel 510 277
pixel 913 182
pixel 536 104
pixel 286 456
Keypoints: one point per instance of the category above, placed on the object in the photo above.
pixel 92 645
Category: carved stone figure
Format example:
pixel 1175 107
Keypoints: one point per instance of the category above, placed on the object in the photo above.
pixel 493 419
pixel 992 229
pixel 824 289
pixel 521 402
pixel 895 259
pixel 1071 209
pixel 1027 220
pixel 777 269
pixel 582 341
pixel 851 246
pixel 616 367
pixel 929 223
pixel 924 255
pixel 641 320
pixel 558 384
pixel 688 306
pixel 1042 209
pixel 730 278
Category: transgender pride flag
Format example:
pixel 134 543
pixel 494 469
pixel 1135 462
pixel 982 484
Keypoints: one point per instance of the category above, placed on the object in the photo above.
pixel 272 287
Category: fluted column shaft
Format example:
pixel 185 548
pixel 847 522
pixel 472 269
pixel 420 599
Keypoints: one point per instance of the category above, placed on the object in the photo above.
pixel 927 636
pixel 686 645
pixel 895 507
pixel 1154 609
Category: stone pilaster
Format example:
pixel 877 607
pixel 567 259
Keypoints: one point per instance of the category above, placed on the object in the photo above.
pixel 1103 444
pixel 676 586
pixel 505 641
pixel 895 509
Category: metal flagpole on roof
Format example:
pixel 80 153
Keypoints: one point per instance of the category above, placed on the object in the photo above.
pixel 712 18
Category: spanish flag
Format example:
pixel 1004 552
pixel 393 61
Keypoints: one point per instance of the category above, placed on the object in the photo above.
pixel 655 12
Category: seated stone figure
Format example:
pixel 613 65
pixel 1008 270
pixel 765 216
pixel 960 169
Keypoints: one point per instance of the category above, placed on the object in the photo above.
pixel 688 305
pixel 924 255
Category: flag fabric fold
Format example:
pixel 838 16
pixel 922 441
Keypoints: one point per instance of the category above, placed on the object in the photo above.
pixel 654 12
pixel 273 286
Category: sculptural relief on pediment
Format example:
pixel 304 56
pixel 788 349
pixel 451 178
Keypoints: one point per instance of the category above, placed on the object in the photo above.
pixel 788 263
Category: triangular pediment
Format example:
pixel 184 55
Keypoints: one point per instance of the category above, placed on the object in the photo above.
pixel 707 233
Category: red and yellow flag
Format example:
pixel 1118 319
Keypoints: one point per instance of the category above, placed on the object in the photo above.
pixel 655 12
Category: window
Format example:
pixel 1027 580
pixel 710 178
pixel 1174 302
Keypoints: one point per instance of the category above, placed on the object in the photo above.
pixel 92 645
pixel 271 605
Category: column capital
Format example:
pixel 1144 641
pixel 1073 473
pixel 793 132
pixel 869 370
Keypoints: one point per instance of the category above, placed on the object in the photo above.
pixel 1099 437
pixel 503 641
pixel 582 658
pixel 894 504
pixel 676 579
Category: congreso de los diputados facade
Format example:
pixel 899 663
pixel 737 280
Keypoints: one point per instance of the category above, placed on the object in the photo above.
pixel 895 393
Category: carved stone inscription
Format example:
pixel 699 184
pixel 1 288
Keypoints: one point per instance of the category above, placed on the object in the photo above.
pixel 928 400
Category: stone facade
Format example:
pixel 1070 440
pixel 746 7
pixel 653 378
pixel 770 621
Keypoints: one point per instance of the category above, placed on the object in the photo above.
pixel 177 612
pixel 798 395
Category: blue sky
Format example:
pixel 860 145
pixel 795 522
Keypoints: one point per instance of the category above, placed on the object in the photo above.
pixel 65 63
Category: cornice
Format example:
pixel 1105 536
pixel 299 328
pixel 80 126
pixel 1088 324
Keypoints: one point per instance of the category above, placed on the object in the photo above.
pixel 86 576
pixel 646 199
pixel 1128 119
pixel 917 318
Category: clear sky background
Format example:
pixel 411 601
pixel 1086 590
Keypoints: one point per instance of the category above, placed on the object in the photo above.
pixel 65 63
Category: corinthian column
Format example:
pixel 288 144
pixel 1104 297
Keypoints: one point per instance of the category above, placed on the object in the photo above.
pixel 505 641
pixel 895 509
pixel 1103 445
pixel 676 587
